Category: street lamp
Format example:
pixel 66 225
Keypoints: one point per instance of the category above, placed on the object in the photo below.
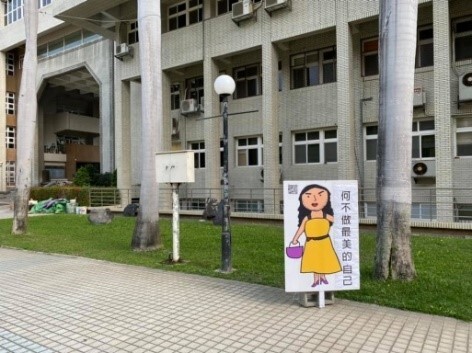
pixel 224 86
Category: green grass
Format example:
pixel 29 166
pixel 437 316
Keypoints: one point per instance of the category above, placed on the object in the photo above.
pixel 443 264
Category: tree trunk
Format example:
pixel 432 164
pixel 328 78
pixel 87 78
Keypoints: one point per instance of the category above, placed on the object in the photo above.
pixel 27 113
pixel 398 21
pixel 146 235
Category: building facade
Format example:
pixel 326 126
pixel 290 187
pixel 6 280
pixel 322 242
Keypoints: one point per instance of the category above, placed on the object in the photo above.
pixel 305 105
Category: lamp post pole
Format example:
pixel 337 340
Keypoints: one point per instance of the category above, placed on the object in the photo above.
pixel 225 86
pixel 226 231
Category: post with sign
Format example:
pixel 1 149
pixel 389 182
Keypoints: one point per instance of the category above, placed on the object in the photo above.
pixel 175 168
pixel 321 233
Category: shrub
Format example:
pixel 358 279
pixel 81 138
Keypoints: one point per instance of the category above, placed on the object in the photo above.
pixel 88 176
pixel 58 192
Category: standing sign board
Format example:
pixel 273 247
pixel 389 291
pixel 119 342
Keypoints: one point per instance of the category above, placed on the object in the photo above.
pixel 321 236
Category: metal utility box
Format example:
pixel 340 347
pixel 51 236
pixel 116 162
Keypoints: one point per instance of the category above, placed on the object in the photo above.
pixel 175 167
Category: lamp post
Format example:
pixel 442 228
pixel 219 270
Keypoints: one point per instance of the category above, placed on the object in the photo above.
pixel 224 86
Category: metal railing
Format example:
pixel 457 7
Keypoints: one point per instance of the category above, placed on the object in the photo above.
pixel 428 204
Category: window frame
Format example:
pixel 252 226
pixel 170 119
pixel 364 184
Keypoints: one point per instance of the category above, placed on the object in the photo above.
pixel 365 54
pixel 258 146
pixel 423 42
pixel 133 32
pixel 187 12
pixel 247 79
pixel 317 65
pixel 461 35
pixel 418 132
pixel 10 173
pixel 10 64
pixel 198 148
pixel 175 96
pixel 370 137
pixel 194 91
pixel 10 103
pixel 462 130
pixel 321 141
pixel 10 137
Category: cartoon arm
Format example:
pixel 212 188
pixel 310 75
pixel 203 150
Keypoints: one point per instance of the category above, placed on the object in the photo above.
pixel 330 218
pixel 299 232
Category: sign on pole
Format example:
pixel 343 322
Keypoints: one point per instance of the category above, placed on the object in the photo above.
pixel 321 235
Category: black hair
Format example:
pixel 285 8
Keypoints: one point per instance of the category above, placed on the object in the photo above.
pixel 304 212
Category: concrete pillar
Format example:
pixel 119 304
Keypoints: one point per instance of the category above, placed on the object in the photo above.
pixel 166 111
pixel 135 132
pixel 345 107
pixel 123 139
pixel 270 118
pixel 107 115
pixel 442 111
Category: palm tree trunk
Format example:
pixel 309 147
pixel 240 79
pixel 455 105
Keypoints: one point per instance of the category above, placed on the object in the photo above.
pixel 27 112
pixel 398 21
pixel 146 232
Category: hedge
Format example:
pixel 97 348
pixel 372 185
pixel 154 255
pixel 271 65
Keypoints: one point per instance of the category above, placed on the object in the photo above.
pixel 59 192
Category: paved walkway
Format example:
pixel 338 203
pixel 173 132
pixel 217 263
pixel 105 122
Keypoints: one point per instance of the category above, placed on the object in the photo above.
pixel 53 303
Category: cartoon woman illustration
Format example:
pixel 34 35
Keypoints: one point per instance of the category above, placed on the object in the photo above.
pixel 315 217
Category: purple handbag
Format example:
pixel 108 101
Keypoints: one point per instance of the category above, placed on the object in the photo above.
pixel 294 252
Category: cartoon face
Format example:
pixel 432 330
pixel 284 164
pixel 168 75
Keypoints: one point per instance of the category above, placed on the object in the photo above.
pixel 315 199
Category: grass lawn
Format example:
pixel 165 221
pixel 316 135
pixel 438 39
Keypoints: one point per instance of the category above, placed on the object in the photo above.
pixel 443 264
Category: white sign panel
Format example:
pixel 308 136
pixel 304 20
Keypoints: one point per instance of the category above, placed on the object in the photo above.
pixel 175 167
pixel 321 235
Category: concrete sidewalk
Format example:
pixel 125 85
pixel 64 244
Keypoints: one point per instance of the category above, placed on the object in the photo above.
pixel 52 303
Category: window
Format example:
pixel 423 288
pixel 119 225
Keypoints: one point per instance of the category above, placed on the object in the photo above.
pixel 10 64
pixel 10 173
pixel 224 6
pixel 463 213
pixel 256 206
pixel 370 143
pixel 280 77
pixel 192 204
pixel 424 50
pixel 315 147
pixel 21 60
pixel 370 57
pixel 175 96
pixel 423 211
pixel 463 39
pixel 423 139
pixel 199 154
pixel 10 103
pixel 133 35
pixel 248 81
pixel 249 151
pixel 313 68
pixel 222 157
pixel 464 137
pixel 10 137
pixel 280 149
pixel 73 40
pixel 42 3
pixel 14 11
pixel 194 88
pixel 185 13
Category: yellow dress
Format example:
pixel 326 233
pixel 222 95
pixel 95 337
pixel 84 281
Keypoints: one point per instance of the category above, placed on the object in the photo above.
pixel 319 255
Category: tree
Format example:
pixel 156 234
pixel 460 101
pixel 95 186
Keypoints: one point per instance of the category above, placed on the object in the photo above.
pixel 27 111
pixel 398 21
pixel 146 234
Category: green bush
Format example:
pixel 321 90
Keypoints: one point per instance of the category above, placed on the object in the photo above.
pixel 58 192
pixel 83 177
pixel 88 176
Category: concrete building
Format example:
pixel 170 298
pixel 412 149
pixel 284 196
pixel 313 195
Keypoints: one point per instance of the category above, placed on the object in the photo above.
pixel 307 87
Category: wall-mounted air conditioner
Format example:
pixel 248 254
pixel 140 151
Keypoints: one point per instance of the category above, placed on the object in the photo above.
pixel 272 5
pixel 465 87
pixel 188 106
pixel 122 50
pixel 423 169
pixel 419 97
pixel 242 10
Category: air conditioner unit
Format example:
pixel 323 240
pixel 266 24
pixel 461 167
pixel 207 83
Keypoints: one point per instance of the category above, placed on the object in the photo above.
pixel 423 169
pixel 465 87
pixel 122 50
pixel 272 5
pixel 419 97
pixel 188 106
pixel 242 10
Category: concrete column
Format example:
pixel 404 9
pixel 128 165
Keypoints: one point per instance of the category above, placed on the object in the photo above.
pixel 442 109
pixel 123 139
pixel 107 115
pixel 270 126
pixel 213 130
pixel 345 107
pixel 135 132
